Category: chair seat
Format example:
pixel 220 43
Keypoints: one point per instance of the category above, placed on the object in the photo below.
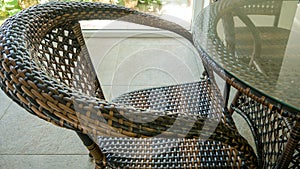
pixel 171 152
pixel 193 98
pixel 168 153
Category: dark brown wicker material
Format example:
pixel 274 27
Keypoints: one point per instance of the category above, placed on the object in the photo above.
pixel 272 128
pixel 275 125
pixel 45 68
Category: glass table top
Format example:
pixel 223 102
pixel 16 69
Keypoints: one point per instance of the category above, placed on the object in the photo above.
pixel 256 42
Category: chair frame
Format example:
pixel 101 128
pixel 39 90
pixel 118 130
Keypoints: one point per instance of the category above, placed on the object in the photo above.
pixel 32 75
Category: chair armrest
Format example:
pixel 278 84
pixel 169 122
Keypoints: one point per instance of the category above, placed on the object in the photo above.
pixel 31 73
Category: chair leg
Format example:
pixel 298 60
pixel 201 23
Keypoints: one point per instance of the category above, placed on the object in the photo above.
pixel 94 150
pixel 99 167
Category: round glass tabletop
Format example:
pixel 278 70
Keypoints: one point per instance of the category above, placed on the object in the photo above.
pixel 256 42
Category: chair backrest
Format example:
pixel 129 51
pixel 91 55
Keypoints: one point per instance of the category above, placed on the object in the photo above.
pixel 247 40
pixel 261 6
pixel 44 61
pixel 60 54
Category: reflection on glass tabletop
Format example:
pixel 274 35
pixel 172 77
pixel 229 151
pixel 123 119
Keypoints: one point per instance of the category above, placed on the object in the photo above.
pixel 257 43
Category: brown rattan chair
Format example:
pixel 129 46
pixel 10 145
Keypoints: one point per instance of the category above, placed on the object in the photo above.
pixel 46 69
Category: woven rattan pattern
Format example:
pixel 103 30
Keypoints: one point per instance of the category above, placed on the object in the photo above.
pixel 271 125
pixel 58 55
pixel 195 98
pixel 235 65
pixel 50 56
pixel 169 153
pixel 271 128
pixel 45 69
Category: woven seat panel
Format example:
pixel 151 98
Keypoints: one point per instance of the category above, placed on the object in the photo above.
pixel 168 153
pixel 198 98
pixel 194 98
pixel 272 129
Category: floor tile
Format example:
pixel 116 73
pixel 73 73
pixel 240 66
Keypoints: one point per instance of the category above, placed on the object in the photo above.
pixel 107 92
pixel 104 59
pixel 118 90
pixel 3 107
pixel 118 62
pixel 3 96
pixel 155 66
pixel 23 133
pixel 4 103
pixel 46 162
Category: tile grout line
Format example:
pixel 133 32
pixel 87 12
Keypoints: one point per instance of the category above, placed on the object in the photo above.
pixel 5 111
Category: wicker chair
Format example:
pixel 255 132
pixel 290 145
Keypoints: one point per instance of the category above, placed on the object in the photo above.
pixel 46 69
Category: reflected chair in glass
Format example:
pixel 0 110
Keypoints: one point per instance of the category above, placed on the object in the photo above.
pixel 254 43
pixel 46 69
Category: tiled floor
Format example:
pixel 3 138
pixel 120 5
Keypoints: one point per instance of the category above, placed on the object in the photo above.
pixel 126 64
pixel 26 142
